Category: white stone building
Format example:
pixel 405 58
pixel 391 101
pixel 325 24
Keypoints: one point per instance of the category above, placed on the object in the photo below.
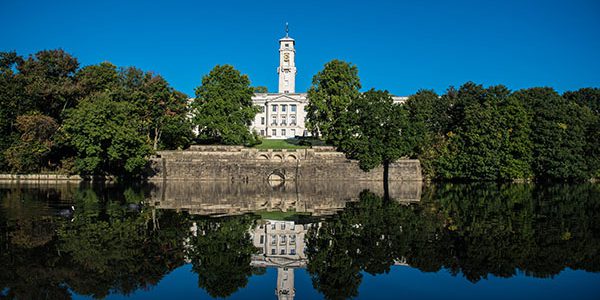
pixel 282 114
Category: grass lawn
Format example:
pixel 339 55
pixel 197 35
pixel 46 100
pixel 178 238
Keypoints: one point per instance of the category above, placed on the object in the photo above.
pixel 278 144
pixel 288 143
pixel 282 216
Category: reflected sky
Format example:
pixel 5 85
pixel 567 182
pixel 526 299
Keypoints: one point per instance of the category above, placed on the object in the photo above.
pixel 401 282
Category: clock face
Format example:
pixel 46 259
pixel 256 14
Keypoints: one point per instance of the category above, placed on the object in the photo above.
pixel 286 57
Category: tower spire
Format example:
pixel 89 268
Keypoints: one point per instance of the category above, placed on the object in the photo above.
pixel 287 30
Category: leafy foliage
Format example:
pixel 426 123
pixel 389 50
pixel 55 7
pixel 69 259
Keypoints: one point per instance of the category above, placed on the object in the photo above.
pixel 223 107
pixel 50 83
pixel 489 137
pixel 377 130
pixel 105 137
pixel 332 90
pixel 558 136
pixel 30 153
pixel 477 133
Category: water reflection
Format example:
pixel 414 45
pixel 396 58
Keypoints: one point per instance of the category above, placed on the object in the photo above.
pixel 316 198
pixel 230 233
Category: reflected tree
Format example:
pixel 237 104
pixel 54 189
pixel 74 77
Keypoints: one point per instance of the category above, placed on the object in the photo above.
pixel 474 230
pixel 220 251
pixel 105 248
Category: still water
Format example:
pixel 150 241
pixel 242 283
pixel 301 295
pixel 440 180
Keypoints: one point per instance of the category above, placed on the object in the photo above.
pixel 337 240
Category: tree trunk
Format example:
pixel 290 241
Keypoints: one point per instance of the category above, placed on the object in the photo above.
pixel 155 147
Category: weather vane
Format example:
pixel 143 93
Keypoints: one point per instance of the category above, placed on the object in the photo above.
pixel 287 29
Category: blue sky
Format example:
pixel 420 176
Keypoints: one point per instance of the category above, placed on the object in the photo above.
pixel 400 46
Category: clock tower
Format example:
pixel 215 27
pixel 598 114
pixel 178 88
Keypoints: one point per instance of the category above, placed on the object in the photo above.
pixel 287 64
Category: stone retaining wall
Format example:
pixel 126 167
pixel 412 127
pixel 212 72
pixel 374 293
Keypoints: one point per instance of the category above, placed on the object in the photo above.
pixel 236 163
pixel 39 177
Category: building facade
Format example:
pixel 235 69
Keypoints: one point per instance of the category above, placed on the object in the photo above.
pixel 282 114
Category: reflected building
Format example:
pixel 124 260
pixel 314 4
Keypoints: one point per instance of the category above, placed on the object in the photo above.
pixel 281 245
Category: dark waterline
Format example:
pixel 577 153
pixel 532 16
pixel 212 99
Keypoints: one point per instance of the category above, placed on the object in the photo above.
pixel 202 240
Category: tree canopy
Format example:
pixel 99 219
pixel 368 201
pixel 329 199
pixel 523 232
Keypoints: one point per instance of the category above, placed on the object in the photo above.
pixel 223 108
pixel 377 130
pixel 105 137
pixel 478 133
pixel 38 94
pixel 332 90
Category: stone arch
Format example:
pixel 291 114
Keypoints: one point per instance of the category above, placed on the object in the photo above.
pixel 277 157
pixel 276 176
pixel 291 157
pixel 263 157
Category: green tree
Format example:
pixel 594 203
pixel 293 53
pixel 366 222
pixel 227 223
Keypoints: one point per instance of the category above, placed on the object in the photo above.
pixel 97 78
pixel 377 131
pixel 106 137
pixel 223 107
pixel 488 138
pixel 261 89
pixel 49 81
pixel 12 102
pixel 332 90
pixel 429 117
pixel 590 97
pixel 558 135
pixel 31 152
pixel 162 111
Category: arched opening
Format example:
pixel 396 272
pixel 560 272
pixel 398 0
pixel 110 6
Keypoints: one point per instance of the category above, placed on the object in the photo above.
pixel 276 177
pixel 263 157
pixel 277 157
pixel 291 157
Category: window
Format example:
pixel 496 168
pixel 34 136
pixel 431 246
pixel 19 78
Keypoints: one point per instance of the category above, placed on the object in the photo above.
pixel 262 109
pixel 283 120
pixel 274 133
pixel 283 131
pixel 262 132
pixel 282 252
pixel 274 108
pixel 293 132
pixel 273 240
pixel 293 251
pixel 282 226
pixel 262 239
pixel 273 225
pixel 293 120
pixel 262 120
pixel 282 239
pixel 287 45
pixel 292 239
pixel 283 108
pixel 274 121
pixel 273 251
pixel 293 108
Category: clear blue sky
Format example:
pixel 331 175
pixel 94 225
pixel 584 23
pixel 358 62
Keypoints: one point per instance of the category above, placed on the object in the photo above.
pixel 401 46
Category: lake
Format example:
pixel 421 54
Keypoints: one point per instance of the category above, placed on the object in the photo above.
pixel 310 240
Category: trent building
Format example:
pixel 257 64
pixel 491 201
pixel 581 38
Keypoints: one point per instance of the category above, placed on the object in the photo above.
pixel 282 114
